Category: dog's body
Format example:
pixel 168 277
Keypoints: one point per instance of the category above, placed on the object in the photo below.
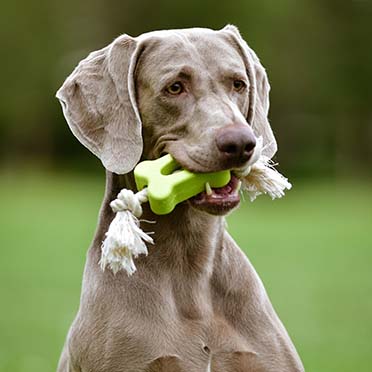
pixel 195 303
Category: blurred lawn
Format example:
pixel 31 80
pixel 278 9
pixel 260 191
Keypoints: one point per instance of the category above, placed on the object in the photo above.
pixel 313 250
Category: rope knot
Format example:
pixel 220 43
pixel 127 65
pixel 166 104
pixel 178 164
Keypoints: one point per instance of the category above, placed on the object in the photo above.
pixel 124 239
pixel 127 201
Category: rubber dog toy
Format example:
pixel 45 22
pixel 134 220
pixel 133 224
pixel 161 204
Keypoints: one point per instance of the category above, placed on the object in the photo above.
pixel 164 184
pixel 169 185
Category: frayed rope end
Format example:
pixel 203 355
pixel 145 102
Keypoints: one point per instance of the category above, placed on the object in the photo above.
pixel 124 239
pixel 260 176
pixel 263 178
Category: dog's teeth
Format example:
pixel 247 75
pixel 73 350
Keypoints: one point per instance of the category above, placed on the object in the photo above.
pixel 239 185
pixel 208 189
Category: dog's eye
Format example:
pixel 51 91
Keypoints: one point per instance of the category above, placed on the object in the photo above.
pixel 176 88
pixel 239 85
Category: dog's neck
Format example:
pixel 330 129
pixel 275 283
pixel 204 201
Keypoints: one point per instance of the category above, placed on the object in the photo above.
pixel 186 238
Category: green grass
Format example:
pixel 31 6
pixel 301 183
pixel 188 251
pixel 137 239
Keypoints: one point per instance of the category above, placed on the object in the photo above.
pixel 313 250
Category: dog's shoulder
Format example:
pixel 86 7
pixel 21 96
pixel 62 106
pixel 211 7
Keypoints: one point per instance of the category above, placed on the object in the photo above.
pixel 234 273
pixel 240 296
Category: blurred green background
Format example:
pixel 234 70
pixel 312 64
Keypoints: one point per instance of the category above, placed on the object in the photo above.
pixel 313 249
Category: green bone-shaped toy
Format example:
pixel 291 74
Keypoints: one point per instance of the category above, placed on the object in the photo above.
pixel 169 185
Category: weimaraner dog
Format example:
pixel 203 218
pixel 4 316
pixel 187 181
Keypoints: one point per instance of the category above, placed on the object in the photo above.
pixel 195 303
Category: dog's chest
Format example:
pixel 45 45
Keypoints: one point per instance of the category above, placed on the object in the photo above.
pixel 168 342
pixel 207 345
pixel 200 336
pixel 212 345
pixel 170 328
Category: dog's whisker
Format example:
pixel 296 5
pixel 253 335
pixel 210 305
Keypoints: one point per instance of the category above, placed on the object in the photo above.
pixel 242 195
pixel 147 221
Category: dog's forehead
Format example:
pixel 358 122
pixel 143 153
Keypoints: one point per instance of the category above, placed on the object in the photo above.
pixel 197 47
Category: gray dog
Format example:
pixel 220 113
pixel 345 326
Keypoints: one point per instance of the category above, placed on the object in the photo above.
pixel 195 303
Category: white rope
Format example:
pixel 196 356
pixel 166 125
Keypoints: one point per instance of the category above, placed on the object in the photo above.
pixel 263 178
pixel 260 176
pixel 124 239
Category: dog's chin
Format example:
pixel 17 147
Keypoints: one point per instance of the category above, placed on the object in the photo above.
pixel 219 201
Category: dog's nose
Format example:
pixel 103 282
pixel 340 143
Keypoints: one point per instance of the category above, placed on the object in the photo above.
pixel 236 143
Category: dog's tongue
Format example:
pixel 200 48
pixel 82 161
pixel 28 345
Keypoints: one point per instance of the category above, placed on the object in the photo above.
pixel 220 192
pixel 218 200
pixel 225 190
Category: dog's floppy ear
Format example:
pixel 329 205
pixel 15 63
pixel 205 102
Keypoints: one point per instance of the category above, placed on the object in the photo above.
pixel 259 94
pixel 99 104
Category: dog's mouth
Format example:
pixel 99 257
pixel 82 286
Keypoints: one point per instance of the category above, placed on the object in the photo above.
pixel 219 200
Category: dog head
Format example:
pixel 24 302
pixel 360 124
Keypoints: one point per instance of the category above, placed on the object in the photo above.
pixel 198 94
pixel 185 90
